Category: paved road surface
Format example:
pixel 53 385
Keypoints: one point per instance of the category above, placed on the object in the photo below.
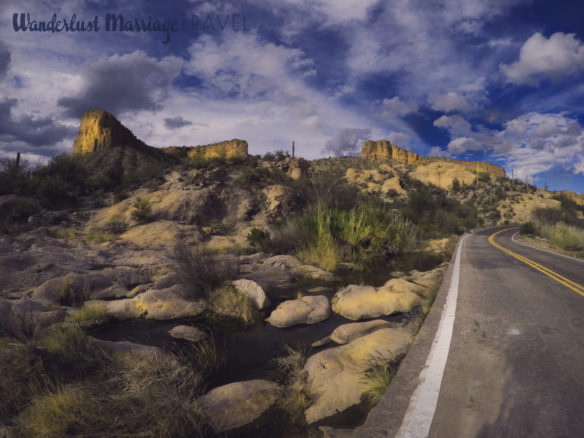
pixel 515 367
pixel 516 362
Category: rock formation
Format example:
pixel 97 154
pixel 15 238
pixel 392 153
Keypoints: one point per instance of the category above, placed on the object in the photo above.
pixel 384 150
pixel 101 130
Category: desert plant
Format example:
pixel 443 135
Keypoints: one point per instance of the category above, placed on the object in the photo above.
pixel 562 235
pixel 142 210
pixel 91 314
pixel 294 398
pixel 200 270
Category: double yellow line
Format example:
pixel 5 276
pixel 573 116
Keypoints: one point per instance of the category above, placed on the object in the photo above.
pixel 560 279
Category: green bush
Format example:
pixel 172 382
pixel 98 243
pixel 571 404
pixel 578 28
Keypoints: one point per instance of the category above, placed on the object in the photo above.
pixel 528 228
pixel 142 210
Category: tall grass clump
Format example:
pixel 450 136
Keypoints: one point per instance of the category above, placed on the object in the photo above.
pixel 378 376
pixel 294 398
pixel 231 309
pixel 363 234
pixel 562 235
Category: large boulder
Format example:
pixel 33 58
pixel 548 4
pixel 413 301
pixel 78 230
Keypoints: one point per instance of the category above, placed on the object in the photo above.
pixel 363 302
pixel 237 404
pixel 306 310
pixel 254 291
pixel 347 332
pixel 335 379
pixel 140 350
pixel 156 304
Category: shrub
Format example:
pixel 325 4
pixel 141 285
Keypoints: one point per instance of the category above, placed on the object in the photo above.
pixel 258 239
pixel 200 356
pixel 201 270
pixel 91 314
pixel 455 185
pixel 115 226
pixel 484 177
pixel 528 228
pixel 142 212
pixel 294 398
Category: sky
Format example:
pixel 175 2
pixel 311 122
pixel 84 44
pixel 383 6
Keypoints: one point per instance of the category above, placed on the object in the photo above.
pixel 495 80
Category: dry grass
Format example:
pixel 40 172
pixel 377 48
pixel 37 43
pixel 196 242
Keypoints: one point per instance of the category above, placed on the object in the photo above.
pixel 378 377
pixel 230 308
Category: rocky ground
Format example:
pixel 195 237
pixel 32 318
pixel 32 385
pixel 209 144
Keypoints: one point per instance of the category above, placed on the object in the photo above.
pixel 84 270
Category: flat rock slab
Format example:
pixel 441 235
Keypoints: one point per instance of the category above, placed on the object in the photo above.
pixel 336 378
pixel 363 302
pixel 306 310
pixel 237 404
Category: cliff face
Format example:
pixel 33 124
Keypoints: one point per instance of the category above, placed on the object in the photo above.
pixel 101 130
pixel 384 150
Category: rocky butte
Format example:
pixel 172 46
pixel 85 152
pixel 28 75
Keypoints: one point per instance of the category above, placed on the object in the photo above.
pixel 383 150
pixel 100 130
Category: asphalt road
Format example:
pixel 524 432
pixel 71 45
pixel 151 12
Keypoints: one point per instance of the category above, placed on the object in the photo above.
pixel 516 362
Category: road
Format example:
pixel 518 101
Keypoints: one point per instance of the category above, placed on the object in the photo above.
pixel 515 364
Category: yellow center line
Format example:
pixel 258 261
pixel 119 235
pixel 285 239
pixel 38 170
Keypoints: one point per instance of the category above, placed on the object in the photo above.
pixel 554 275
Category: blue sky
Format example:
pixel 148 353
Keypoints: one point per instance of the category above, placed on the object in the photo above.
pixel 500 80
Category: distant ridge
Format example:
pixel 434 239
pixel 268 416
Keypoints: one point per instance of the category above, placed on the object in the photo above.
pixel 384 150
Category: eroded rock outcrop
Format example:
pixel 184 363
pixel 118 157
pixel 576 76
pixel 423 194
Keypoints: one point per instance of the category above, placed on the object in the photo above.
pixel 101 130
pixel 384 150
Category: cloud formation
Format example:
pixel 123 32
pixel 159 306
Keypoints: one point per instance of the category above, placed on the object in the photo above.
pixel 559 56
pixel 347 141
pixel 120 83
pixel 176 122
pixel 30 134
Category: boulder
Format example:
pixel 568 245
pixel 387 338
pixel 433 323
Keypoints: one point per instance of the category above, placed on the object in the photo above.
pixel 237 404
pixel 144 351
pixel 155 304
pixel 335 379
pixel 306 310
pixel 347 332
pixel 254 291
pixel 361 302
pixel 188 333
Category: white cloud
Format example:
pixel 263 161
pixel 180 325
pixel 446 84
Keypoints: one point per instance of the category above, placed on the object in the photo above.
pixel 556 57
pixel 437 151
pixel 397 107
pixel 399 138
pixel 579 167
pixel 529 144
pixel 449 102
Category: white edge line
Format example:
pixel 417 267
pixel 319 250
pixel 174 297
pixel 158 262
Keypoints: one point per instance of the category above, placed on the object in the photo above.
pixel 544 250
pixel 420 413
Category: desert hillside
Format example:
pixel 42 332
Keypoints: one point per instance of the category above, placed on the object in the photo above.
pixel 224 292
